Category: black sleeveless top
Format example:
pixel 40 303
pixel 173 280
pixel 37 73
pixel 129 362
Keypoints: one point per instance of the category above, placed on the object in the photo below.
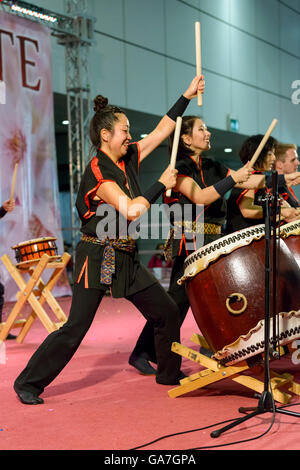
pixel 130 276
pixel 206 173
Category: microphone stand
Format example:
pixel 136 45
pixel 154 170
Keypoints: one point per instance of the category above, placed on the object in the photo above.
pixel 266 400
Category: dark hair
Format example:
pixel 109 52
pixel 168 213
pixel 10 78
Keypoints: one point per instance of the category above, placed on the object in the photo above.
pixel 104 118
pixel 187 126
pixel 251 144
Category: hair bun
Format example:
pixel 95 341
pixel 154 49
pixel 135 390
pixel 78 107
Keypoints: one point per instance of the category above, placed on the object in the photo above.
pixel 99 103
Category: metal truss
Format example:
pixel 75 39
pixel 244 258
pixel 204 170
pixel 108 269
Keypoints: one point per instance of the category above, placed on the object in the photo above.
pixel 74 30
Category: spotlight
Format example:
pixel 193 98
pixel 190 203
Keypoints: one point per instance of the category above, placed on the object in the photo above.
pixel 34 13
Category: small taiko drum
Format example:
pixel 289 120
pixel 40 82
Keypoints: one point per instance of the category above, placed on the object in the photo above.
pixel 32 250
pixel 290 234
pixel 225 283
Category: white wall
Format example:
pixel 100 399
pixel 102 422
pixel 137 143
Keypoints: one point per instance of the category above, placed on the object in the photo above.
pixel 143 58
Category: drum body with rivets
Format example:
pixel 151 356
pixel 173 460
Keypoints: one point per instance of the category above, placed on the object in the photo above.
pixel 225 283
pixel 290 233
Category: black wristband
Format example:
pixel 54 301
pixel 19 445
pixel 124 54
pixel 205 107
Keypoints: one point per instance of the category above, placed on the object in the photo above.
pixel 178 108
pixel 154 192
pixel 2 212
pixel 224 185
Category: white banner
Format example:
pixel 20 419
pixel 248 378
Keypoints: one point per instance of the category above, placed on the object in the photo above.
pixel 27 138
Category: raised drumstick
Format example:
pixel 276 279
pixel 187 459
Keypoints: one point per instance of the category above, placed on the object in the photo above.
pixel 263 142
pixel 175 148
pixel 13 182
pixel 198 58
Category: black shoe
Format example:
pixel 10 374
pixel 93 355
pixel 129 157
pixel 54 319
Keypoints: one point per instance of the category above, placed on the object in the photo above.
pixel 172 382
pixel 142 365
pixel 206 352
pixel 10 336
pixel 28 398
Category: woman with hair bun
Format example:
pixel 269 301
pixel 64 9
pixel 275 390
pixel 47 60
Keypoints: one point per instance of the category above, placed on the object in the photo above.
pixel 109 193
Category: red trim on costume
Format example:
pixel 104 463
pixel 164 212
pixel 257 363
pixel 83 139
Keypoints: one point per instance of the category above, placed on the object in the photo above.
pixel 294 195
pixel 181 243
pixel 85 271
pixel 139 153
pixel 95 169
pixel 201 171
pixel 169 200
pixel 99 177
pixel 89 214
pixel 241 196
pixel 119 164
pixel 185 176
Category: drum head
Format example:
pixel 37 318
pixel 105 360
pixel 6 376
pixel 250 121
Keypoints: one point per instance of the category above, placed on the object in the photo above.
pixel 34 241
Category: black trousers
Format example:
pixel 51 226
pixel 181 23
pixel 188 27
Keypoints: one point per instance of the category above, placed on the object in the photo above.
pixel 145 345
pixel 59 347
pixel 1 300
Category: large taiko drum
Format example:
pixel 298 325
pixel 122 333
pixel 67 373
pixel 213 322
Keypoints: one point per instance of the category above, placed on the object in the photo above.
pixel 225 283
pixel 32 250
pixel 290 234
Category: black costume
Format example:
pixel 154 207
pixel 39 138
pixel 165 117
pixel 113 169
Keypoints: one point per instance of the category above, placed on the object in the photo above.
pixel 206 173
pixel 235 219
pixel 2 290
pixel 116 263
pixel 290 197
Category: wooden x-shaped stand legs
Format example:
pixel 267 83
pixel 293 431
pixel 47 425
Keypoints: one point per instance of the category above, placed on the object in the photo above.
pixel 36 298
pixel 214 372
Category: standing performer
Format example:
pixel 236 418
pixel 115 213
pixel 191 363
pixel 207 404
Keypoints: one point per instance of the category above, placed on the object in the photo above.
pixel 110 179
pixel 6 207
pixel 242 212
pixel 200 181
pixel 287 162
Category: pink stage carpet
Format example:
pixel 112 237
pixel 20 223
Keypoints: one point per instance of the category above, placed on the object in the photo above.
pixel 99 402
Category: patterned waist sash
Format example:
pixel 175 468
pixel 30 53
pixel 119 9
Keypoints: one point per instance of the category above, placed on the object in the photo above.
pixel 108 264
pixel 197 227
pixel 189 227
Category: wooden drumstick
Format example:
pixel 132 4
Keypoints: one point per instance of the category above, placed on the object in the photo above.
pixel 263 142
pixel 13 182
pixel 175 148
pixel 198 58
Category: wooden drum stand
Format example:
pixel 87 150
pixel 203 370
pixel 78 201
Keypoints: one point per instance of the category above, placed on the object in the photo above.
pixel 35 291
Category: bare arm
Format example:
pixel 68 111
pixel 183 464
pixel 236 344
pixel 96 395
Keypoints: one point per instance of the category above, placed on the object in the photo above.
pixel 254 182
pixel 131 209
pixel 188 186
pixel 166 125
pixel 248 209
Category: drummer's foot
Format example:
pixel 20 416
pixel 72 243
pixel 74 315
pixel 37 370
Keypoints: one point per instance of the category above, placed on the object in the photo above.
pixel 28 398
pixel 182 375
pixel 10 336
pixel 142 365
pixel 206 352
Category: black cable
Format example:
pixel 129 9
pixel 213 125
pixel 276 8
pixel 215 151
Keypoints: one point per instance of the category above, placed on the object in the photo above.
pixel 182 433
pixel 204 428
pixel 239 442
